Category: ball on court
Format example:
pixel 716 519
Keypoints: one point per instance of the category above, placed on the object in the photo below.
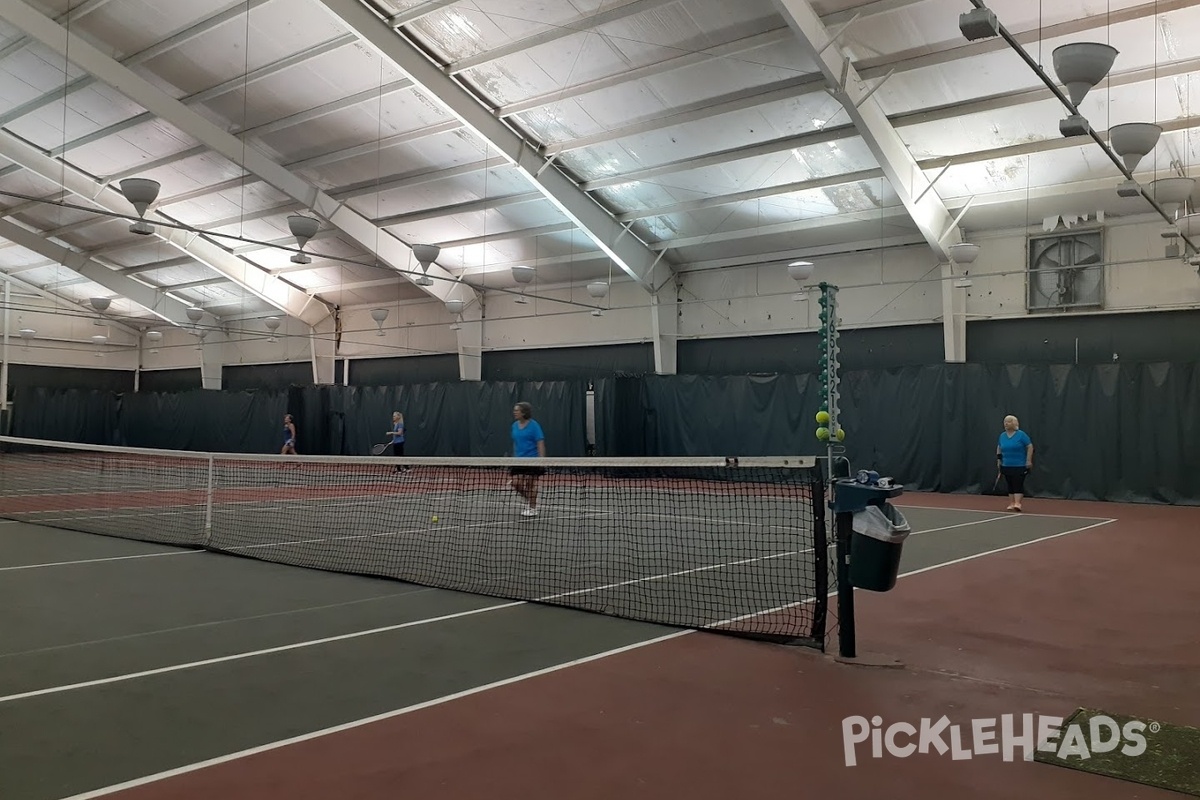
pixel 823 433
pixel 822 417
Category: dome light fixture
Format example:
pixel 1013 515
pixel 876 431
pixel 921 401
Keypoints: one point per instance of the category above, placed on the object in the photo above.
pixel 425 254
pixel 379 315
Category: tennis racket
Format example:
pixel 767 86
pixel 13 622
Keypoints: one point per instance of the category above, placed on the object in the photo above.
pixel 380 449
pixel 996 483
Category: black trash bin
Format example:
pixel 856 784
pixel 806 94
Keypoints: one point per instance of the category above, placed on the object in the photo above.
pixel 875 547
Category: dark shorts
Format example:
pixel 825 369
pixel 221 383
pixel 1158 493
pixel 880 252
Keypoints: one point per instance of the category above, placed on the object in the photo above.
pixel 530 471
pixel 1015 478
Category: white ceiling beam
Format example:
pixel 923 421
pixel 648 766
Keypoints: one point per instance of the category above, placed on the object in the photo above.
pixel 251 277
pixel 727 50
pixel 389 249
pixel 468 207
pixel 150 299
pixel 701 110
pixel 585 21
pixel 696 112
pixel 232 11
pixel 911 185
pixel 737 47
pixel 878 215
pixel 505 236
pixel 71 17
pixel 371 148
pixel 630 254
pixel 332 107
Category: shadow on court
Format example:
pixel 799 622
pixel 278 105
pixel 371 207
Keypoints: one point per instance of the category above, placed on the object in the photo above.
pixel 123 660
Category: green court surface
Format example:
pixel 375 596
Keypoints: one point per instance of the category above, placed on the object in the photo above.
pixel 123 659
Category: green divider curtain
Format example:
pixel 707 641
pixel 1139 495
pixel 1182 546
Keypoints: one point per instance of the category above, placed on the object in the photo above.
pixel 1123 432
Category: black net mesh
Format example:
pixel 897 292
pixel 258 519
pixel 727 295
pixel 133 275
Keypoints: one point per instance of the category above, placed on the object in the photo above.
pixel 738 547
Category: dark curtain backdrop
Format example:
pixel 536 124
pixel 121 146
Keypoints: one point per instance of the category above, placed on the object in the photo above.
pixel 442 419
pixel 1126 433
pixel 1120 432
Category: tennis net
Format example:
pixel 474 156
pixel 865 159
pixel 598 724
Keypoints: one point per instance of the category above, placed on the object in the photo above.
pixel 730 545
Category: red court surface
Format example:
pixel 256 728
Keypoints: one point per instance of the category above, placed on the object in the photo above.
pixel 1103 618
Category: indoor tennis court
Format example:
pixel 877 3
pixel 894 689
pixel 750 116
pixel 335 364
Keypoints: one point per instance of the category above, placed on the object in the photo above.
pixel 142 670
pixel 581 399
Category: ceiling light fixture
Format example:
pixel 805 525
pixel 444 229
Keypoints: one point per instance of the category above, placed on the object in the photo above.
pixel 425 254
pixel 141 193
pixel 379 315
pixel 303 228
pixel 1080 66
pixel 800 271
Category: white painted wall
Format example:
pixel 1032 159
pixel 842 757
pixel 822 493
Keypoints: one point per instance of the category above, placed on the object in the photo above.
pixel 542 322
pixel 64 336
pixel 1137 275
pixel 411 329
pixel 892 287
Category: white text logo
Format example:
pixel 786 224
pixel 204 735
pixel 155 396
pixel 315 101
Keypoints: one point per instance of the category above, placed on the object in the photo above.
pixel 985 737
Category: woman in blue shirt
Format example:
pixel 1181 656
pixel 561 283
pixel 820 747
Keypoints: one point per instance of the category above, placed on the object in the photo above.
pixel 528 442
pixel 1014 458
pixel 289 436
pixel 397 434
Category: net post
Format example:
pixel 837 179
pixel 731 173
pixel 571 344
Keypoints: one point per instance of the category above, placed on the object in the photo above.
pixel 820 560
pixel 208 504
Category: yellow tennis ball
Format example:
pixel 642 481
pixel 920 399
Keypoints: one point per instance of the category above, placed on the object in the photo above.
pixel 823 433
pixel 841 434
pixel 822 417
pixel 435 517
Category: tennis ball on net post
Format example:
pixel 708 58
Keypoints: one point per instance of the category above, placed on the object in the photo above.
pixel 823 433
pixel 841 434
pixel 822 417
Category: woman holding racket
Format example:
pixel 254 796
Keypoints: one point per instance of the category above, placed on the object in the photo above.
pixel 1014 459
pixel 397 434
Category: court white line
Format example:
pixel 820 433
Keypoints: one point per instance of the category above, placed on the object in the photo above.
pixel 369 720
pixel 98 560
pixel 974 556
pixel 251 654
pixel 358 634
pixel 318 734
pixel 214 623
pixel 964 524
pixel 1010 513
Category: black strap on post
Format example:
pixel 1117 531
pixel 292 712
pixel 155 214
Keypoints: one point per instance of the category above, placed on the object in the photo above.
pixel 844 522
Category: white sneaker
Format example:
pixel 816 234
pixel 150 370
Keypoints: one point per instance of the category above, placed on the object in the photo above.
pixel 529 512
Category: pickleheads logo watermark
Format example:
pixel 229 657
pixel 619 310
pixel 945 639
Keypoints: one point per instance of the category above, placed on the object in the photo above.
pixel 988 737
